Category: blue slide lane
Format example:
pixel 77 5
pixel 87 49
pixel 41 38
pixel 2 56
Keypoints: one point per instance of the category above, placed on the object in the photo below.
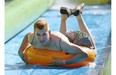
pixel 99 23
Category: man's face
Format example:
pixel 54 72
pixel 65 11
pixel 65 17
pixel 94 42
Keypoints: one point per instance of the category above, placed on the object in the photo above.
pixel 42 36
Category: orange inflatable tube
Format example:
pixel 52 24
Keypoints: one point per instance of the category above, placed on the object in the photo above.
pixel 43 56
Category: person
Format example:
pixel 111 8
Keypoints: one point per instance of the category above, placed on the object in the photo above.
pixel 82 37
pixel 43 38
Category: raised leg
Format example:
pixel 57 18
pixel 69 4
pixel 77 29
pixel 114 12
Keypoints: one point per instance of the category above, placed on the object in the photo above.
pixel 63 28
pixel 65 13
pixel 82 25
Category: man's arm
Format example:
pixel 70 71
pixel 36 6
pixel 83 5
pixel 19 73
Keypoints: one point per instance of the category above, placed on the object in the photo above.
pixel 23 46
pixel 71 48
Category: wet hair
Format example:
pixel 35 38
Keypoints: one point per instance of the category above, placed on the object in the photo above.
pixel 40 24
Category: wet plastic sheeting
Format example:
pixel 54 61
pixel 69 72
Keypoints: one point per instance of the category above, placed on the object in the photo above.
pixel 99 23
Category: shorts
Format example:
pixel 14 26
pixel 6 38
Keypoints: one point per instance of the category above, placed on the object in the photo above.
pixel 81 38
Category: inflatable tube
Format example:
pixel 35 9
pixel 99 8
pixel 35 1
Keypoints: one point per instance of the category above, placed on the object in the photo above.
pixel 20 13
pixel 43 56
pixel 93 2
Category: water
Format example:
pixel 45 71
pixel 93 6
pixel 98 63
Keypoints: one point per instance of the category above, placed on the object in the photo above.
pixel 98 19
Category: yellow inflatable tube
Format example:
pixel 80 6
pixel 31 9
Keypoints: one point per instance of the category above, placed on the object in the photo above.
pixel 43 56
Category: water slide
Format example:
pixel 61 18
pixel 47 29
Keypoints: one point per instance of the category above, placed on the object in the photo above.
pixel 97 17
pixel 20 13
